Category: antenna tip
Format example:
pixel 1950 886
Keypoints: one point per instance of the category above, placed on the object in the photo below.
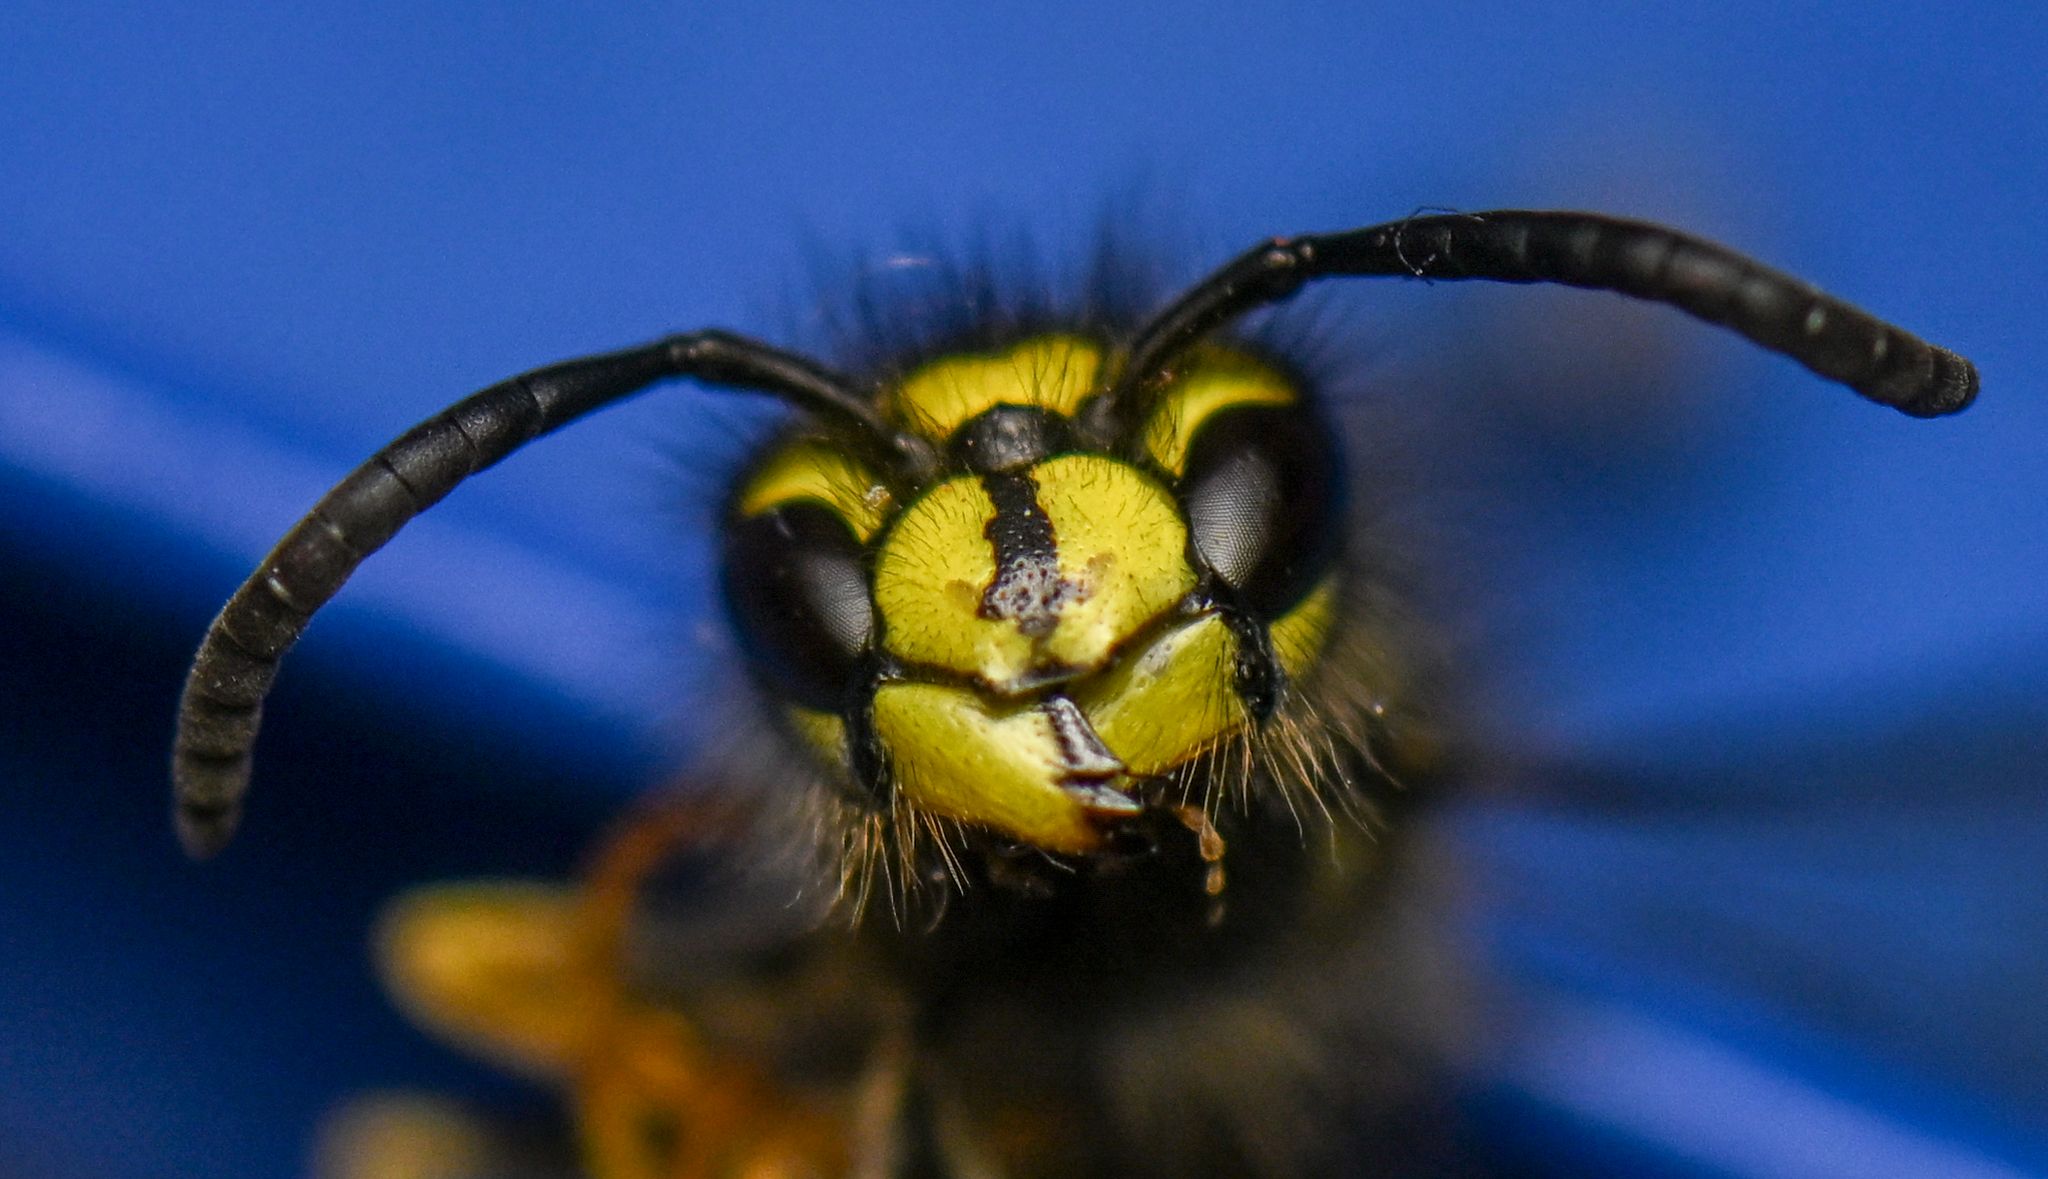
pixel 207 791
pixel 1951 388
pixel 204 831
pixel 1934 383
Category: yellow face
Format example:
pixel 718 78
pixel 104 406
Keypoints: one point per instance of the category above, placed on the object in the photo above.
pixel 1033 639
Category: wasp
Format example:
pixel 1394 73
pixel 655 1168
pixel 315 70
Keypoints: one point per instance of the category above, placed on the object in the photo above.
pixel 1102 727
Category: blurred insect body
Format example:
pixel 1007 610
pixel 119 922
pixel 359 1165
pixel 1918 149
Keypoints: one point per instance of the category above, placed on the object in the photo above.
pixel 1075 631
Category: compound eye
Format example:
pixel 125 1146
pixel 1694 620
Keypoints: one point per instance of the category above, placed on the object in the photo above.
pixel 798 591
pixel 1261 491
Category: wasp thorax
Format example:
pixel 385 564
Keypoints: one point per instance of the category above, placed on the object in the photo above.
pixel 1027 639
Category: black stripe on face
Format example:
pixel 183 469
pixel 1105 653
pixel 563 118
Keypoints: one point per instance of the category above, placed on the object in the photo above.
pixel 1027 589
pixel 1258 677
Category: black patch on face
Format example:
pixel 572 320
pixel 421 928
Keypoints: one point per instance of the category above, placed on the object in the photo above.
pixel 1027 589
pixel 873 784
pixel 1256 673
pixel 1011 438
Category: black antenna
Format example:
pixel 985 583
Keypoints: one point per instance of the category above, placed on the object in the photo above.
pixel 222 704
pixel 1840 342
pixel 221 709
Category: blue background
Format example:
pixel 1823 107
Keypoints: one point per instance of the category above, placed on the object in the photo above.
pixel 1763 892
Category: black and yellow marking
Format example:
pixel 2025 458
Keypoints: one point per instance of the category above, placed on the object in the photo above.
pixel 1054 372
pixel 819 471
pixel 1028 590
pixel 1216 380
pixel 1049 633
pixel 1119 561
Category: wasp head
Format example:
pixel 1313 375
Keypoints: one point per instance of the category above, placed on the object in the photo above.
pixel 1033 639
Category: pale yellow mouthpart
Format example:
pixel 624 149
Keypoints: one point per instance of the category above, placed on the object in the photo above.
pixel 954 754
pixel 1170 699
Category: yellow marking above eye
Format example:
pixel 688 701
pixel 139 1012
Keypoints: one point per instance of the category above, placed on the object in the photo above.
pixel 1052 372
pixel 815 469
pixel 1218 379
pixel 1122 551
